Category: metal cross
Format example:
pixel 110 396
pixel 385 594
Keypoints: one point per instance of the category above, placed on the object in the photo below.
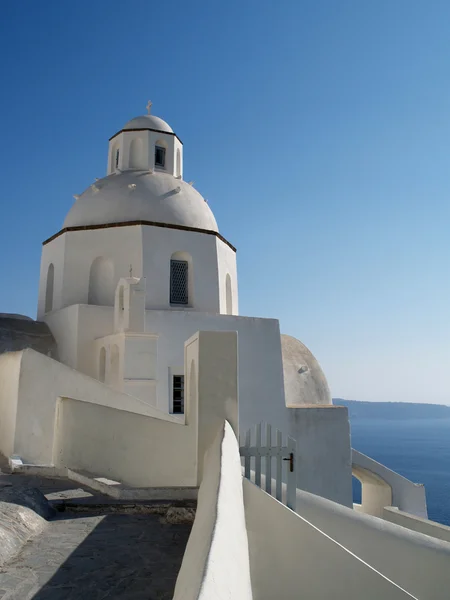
pixel 149 106
pixel 131 270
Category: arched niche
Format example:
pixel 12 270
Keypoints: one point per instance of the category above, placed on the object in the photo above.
pixel 228 295
pixel 178 164
pixel 121 298
pixel 114 158
pixel 102 365
pixel 115 366
pixel 101 282
pixel 137 154
pixel 49 288
pixel 181 280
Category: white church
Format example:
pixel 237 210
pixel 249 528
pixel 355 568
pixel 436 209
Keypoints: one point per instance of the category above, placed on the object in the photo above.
pixel 149 384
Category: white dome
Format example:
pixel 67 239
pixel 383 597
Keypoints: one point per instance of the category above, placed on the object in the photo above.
pixel 141 196
pixel 304 380
pixel 148 122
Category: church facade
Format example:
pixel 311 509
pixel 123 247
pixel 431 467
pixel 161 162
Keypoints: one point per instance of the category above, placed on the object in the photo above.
pixel 138 268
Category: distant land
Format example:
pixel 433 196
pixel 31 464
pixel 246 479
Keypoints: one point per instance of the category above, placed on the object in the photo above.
pixel 393 410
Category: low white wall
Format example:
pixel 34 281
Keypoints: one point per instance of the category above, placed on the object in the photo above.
pixel 290 558
pixel 416 562
pixel 216 561
pixel 9 386
pixel 42 381
pixel 436 530
pixel 406 495
pixel 136 450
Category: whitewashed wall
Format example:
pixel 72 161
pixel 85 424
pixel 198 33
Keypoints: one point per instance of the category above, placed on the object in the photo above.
pixel 290 558
pixel 260 370
pixel 136 450
pixel 9 389
pixel 425 526
pixel 216 562
pixel 418 563
pixel 148 251
pixel 323 447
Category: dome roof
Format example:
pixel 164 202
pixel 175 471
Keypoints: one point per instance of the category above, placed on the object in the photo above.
pixel 148 122
pixel 304 380
pixel 141 196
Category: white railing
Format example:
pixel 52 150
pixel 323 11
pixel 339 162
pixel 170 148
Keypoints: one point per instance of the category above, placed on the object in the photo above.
pixel 268 451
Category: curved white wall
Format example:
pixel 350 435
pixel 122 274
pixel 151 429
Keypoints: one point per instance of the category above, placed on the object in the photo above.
pixel 382 487
pixel 416 562
pixel 216 561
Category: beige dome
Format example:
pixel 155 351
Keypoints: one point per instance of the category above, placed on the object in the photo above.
pixel 141 196
pixel 304 380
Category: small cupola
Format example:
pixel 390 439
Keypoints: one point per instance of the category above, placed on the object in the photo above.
pixel 146 143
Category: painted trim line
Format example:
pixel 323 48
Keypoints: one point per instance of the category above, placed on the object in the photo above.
pixel 147 129
pixel 132 223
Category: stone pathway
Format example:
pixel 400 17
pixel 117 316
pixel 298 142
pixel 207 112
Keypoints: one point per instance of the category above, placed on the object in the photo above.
pixel 127 556
pixel 93 552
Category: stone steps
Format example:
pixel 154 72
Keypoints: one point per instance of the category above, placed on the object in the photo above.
pixel 119 491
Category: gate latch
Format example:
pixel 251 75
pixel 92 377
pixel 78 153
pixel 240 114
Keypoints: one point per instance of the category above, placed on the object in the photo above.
pixel 291 461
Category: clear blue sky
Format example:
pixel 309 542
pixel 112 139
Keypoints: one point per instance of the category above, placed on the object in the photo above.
pixel 319 132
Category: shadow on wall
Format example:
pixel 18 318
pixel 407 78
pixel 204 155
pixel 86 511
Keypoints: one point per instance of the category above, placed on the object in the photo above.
pixel 134 554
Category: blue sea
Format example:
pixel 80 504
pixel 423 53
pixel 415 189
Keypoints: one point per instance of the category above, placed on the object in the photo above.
pixel 418 449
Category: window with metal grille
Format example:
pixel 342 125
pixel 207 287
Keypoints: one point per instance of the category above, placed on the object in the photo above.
pixel 179 282
pixel 160 156
pixel 178 394
pixel 117 158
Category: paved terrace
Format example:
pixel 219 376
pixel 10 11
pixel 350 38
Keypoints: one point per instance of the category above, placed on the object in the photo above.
pixel 97 548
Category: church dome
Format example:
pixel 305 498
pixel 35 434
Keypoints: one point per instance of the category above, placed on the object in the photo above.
pixel 148 122
pixel 141 196
pixel 304 380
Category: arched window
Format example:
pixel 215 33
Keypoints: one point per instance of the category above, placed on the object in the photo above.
pixel 49 288
pixel 102 365
pixel 115 364
pixel 228 295
pixel 160 154
pixel 181 286
pixel 115 155
pixel 136 154
pixel 178 170
pixel 101 282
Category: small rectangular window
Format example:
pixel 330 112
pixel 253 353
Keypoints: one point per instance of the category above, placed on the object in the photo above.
pixel 178 394
pixel 179 282
pixel 117 158
pixel 160 156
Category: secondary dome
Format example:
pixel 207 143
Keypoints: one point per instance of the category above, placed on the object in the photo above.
pixel 304 380
pixel 148 122
pixel 141 196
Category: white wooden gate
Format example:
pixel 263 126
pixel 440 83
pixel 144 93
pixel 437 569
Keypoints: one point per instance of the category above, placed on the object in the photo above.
pixel 268 451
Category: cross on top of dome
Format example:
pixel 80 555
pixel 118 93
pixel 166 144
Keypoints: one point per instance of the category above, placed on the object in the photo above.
pixel 149 106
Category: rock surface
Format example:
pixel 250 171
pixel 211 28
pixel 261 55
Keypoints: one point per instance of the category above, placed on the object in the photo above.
pixel 23 514
pixel 18 332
